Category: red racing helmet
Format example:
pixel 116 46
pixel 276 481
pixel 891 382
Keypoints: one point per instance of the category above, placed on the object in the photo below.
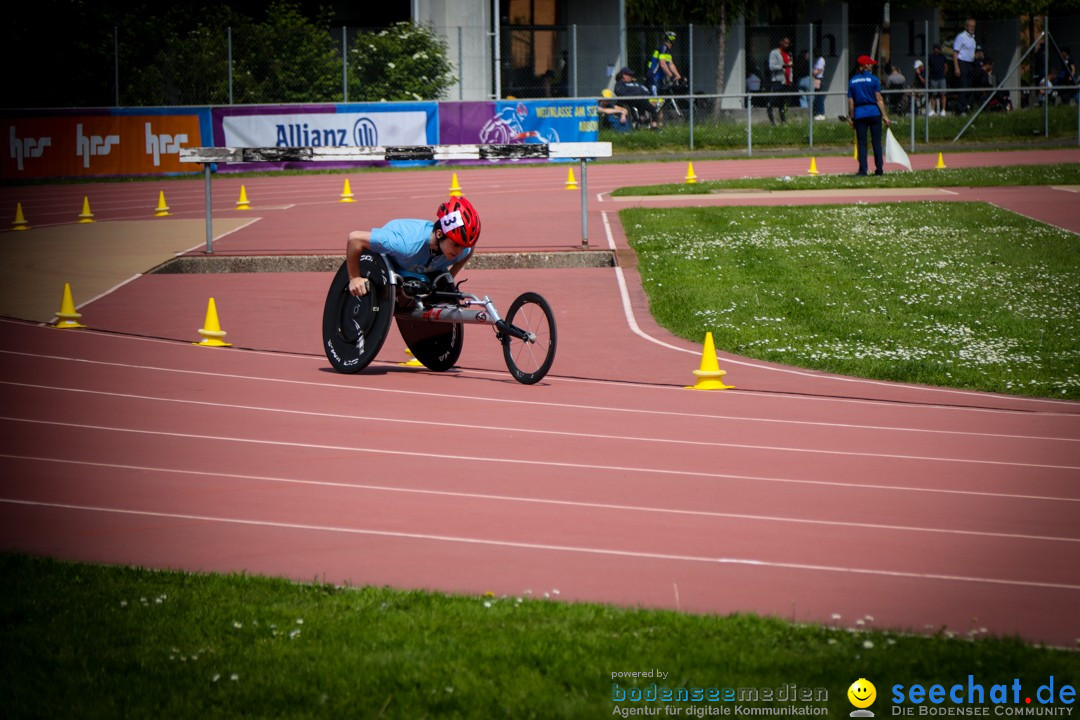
pixel 459 221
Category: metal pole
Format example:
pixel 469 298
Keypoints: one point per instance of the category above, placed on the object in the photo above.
pixel 116 63
pixel 690 75
pixel 926 90
pixel 498 50
pixel 810 108
pixel 1046 75
pixel 209 223
pixel 913 103
pixel 344 67
pixel 584 206
pixel 573 60
pixel 749 134
pixel 461 62
pixel 228 36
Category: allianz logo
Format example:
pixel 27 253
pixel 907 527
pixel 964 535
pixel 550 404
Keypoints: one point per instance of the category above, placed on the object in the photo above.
pixel 23 148
pixel 364 134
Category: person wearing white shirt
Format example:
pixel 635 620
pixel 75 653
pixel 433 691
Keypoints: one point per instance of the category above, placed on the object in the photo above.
pixel 964 62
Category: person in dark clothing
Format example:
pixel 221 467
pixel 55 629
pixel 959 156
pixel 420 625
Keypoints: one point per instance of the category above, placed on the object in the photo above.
pixel 866 113
pixel 627 87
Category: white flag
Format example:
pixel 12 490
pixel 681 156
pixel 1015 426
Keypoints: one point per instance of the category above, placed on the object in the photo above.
pixel 893 152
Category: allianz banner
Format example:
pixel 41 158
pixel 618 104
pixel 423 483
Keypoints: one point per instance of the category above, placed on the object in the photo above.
pixel 146 141
pixel 347 125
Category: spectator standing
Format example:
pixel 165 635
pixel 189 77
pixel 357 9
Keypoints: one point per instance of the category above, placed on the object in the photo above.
pixel 936 80
pixel 895 80
pixel 919 83
pixel 1066 76
pixel 819 77
pixel 780 70
pixel 801 73
pixel 866 113
pixel 964 63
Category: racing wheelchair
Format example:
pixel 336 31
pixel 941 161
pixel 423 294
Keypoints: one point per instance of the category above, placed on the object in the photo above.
pixel 431 312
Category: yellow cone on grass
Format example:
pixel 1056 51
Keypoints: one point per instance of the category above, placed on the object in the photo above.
pixel 940 162
pixel 813 167
pixel 709 375
pixel 347 193
pixel 20 220
pixel 242 203
pixel 211 329
pixel 571 182
pixel 86 216
pixel 691 178
pixel 67 317
pixel 455 189
pixel 162 209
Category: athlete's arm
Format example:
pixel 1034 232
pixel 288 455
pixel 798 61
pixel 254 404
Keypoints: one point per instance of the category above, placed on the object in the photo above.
pixel 359 243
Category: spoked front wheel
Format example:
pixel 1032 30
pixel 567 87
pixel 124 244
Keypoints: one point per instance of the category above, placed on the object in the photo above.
pixel 529 358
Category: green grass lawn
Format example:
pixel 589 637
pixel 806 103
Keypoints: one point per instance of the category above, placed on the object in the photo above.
pixel 87 641
pixel 961 295
pixel 1017 176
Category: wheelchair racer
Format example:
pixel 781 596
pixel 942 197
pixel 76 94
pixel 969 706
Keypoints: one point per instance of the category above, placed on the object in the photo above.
pixel 418 246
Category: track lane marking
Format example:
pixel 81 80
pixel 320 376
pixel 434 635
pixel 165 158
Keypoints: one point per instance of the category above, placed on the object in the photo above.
pixel 543 501
pixel 501 460
pixel 512 429
pixel 552 548
pixel 571 406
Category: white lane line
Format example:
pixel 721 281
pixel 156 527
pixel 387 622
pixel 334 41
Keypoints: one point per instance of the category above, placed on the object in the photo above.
pixel 516 429
pixel 553 548
pixel 543 501
pixel 498 460
pixel 758 396
pixel 628 308
pixel 536 403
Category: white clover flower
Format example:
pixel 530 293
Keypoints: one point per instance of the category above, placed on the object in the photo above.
pixel 868 644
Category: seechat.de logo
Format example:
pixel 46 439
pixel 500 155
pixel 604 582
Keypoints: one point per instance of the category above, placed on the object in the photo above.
pixel 862 695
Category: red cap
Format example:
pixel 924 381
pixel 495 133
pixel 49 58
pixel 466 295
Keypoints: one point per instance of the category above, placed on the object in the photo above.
pixel 866 60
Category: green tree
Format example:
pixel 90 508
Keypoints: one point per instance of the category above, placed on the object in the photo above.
pixel 287 58
pixel 402 62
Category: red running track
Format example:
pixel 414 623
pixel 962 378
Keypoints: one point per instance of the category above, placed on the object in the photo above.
pixel 798 495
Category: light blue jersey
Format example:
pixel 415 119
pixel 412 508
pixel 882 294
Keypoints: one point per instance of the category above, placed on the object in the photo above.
pixel 407 244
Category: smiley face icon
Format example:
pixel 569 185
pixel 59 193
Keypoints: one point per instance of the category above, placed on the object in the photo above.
pixel 862 693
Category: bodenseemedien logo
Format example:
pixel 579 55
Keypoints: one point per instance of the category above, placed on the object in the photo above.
pixel 862 694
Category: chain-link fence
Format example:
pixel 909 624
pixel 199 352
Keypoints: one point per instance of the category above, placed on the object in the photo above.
pixel 733 86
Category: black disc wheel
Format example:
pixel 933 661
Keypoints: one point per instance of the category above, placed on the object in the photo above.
pixel 354 328
pixel 530 359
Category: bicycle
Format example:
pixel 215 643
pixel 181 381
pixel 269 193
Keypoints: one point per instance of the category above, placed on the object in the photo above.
pixel 431 313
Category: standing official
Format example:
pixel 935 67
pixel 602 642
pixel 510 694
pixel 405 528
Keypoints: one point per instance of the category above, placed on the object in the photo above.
pixel 866 111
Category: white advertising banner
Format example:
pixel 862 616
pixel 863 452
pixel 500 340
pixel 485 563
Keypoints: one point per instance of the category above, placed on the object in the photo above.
pixel 326 129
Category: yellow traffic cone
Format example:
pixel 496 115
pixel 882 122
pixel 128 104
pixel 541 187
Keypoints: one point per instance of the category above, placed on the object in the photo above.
pixel 412 361
pixel 813 167
pixel 242 203
pixel 940 162
pixel 455 189
pixel 347 193
pixel 211 330
pixel 691 178
pixel 571 183
pixel 20 220
pixel 162 209
pixel 709 375
pixel 68 318
pixel 86 216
